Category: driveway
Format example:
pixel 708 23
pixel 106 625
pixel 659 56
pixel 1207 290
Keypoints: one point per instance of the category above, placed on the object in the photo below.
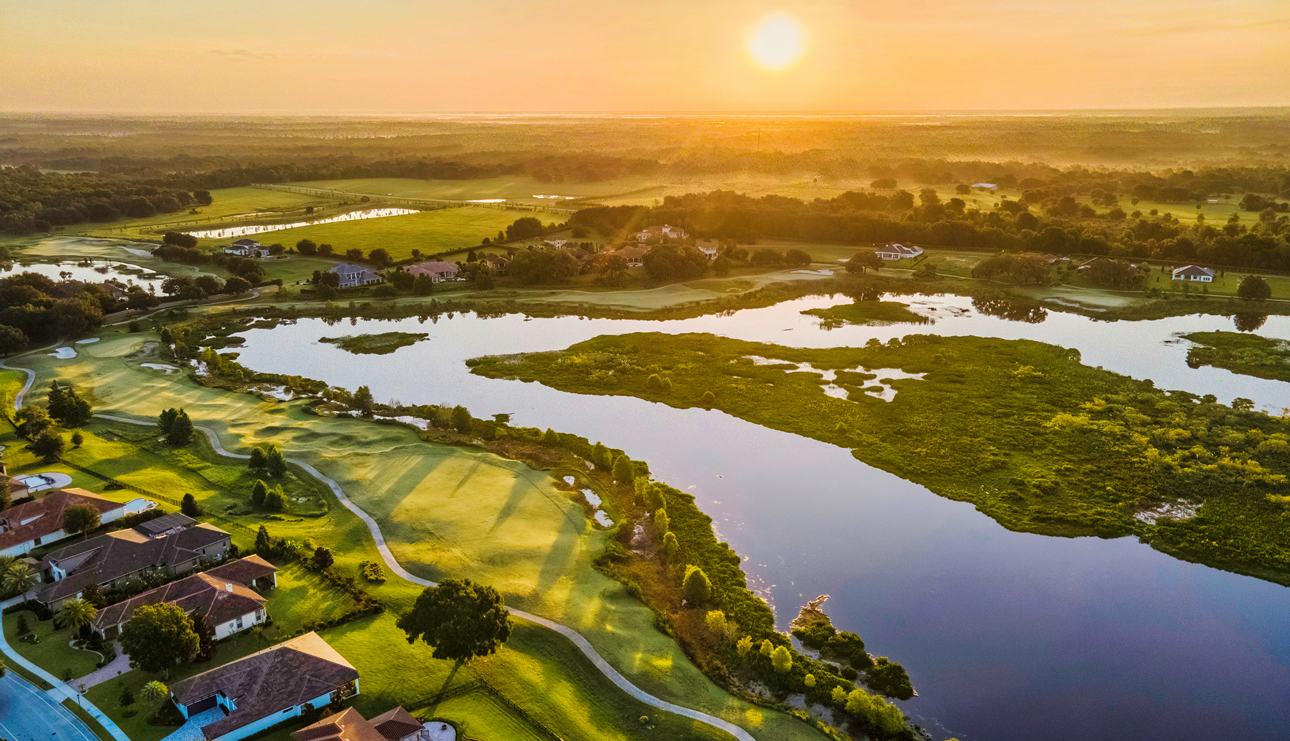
pixel 27 714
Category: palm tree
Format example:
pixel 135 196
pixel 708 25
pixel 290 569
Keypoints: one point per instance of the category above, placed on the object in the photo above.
pixel 79 613
pixel 154 692
pixel 17 578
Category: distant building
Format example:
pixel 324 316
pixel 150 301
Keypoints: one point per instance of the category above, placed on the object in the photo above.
pixel 1194 273
pixel 898 252
pixel 264 689
pixel 987 186
pixel 350 725
pixel 40 521
pixel 635 256
pixel 497 262
pixel 172 544
pixel 438 270
pixel 247 248
pixel 556 243
pixel 709 249
pixel 658 232
pixel 225 596
pixel 352 276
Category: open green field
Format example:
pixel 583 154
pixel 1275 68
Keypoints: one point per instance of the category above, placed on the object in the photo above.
pixel 227 204
pixel 429 231
pixel 449 511
pixel 53 654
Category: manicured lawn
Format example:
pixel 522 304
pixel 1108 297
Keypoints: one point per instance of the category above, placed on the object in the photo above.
pixel 429 231
pixel 53 654
pixel 228 202
pixel 450 512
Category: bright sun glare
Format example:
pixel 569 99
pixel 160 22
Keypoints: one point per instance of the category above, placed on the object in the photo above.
pixel 777 41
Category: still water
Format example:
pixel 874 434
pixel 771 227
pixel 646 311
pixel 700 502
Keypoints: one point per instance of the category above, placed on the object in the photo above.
pixel 1005 635
pixel 90 273
pixel 244 231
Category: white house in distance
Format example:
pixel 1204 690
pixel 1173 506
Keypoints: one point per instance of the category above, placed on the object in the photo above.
pixel 558 242
pixel 1194 273
pixel 898 252
pixel 260 691
pixel 246 248
pixel 40 522
pixel 658 232
pixel 709 249
pixel 352 276
pixel 438 270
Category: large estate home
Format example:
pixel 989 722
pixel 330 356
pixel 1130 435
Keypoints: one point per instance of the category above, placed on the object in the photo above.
pixel 709 249
pixel 246 248
pixel 350 725
pixel 898 251
pixel 659 232
pixel 1194 273
pixel 172 544
pixel 264 689
pixel 224 596
pixel 40 521
pixel 635 256
pixel 352 276
pixel 438 270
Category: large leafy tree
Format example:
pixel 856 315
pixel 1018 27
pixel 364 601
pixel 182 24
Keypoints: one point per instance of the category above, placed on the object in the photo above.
pixel 159 637
pixel 80 519
pixel 460 619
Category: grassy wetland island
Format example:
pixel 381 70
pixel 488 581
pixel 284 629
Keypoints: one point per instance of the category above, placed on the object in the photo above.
pixel 662 428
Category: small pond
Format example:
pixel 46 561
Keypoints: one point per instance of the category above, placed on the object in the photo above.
pixel 96 271
pixel 246 231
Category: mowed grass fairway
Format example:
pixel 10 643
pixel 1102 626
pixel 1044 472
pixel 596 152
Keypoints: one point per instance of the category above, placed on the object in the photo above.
pixel 446 512
pixel 226 204
pixel 429 231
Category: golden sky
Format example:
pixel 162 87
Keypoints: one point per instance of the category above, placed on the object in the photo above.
pixel 388 56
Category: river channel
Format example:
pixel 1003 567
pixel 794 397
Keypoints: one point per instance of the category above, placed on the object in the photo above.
pixel 1005 635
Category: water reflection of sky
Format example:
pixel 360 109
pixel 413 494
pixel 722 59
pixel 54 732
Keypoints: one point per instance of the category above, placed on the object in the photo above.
pixel 122 272
pixel 1006 635
pixel 249 229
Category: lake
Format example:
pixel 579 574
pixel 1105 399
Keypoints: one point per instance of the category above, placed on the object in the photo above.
pixel 1005 635
pixel 96 272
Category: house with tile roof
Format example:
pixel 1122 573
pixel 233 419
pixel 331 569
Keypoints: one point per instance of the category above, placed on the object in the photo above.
pixel 40 521
pixel 438 270
pixel 350 725
pixel 352 276
pixel 171 545
pixel 659 232
pixel 1194 273
pixel 224 596
pixel 635 256
pixel 247 248
pixel 898 251
pixel 264 689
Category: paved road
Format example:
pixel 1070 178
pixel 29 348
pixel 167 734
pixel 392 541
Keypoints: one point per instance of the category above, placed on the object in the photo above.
pixel 582 643
pixel 28 714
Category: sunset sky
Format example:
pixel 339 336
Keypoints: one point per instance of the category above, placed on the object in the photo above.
pixel 385 56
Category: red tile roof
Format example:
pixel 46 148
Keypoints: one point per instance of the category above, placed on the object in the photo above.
pixel 44 516
pixel 218 599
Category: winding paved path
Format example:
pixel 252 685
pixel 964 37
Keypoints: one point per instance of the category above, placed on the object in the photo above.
pixel 576 638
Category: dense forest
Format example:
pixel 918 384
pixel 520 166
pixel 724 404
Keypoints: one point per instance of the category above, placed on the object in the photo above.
pixel 1048 218
pixel 32 201
pixel 35 309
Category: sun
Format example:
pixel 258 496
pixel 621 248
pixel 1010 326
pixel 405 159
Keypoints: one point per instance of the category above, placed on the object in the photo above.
pixel 777 41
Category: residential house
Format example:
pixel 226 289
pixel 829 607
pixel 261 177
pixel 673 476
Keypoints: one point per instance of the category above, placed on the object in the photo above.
pixel 264 689
pixel 438 270
pixel 172 544
pixel 556 243
pixel 1194 273
pixel 352 276
pixel 898 252
pixel 40 521
pixel 635 256
pixel 350 725
pixel 709 249
pixel 496 262
pixel 224 596
pixel 658 232
pixel 247 248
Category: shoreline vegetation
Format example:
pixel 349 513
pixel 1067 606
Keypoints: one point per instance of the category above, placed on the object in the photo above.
pixel 375 344
pixel 1023 430
pixel 1247 354
pixel 659 538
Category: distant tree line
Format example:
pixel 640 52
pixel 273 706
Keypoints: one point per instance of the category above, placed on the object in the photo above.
pixel 32 201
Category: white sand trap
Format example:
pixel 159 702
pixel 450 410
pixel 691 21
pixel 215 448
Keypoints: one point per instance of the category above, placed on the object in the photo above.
pixel 592 497
pixel 603 518
pixel 137 253
pixel 90 341
pixel 63 353
pixel 160 366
